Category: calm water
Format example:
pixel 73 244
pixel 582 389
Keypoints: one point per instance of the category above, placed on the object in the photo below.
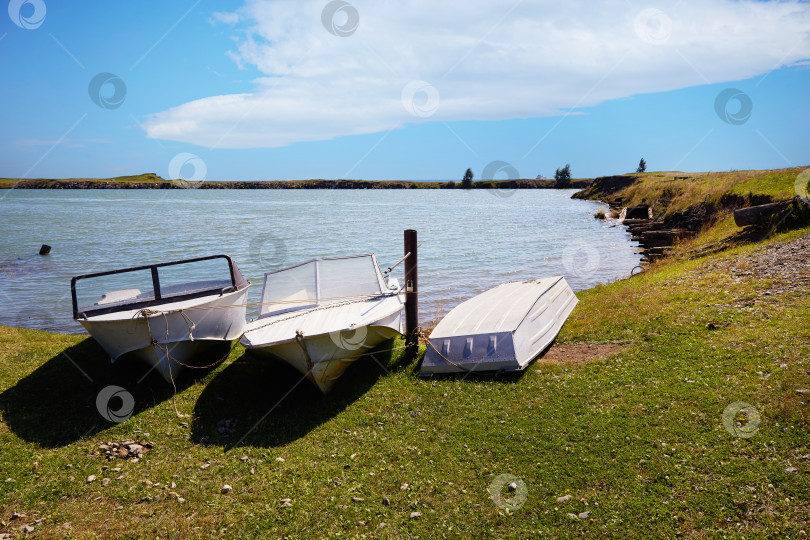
pixel 470 240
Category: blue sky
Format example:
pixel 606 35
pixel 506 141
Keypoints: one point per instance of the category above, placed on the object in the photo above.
pixel 259 90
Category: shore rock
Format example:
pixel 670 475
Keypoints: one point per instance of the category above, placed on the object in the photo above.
pixel 127 449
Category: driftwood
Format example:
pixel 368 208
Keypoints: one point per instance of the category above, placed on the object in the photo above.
pixel 753 215
pixel 662 238
pixel 666 233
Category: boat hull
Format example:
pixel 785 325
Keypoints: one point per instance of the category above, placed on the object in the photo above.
pixel 324 356
pixel 502 329
pixel 332 359
pixel 172 336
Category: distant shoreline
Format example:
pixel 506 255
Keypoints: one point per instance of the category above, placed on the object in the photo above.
pixel 152 181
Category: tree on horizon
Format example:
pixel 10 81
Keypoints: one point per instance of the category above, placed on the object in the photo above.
pixel 466 182
pixel 642 166
pixel 563 176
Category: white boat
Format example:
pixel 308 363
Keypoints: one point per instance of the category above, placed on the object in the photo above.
pixel 502 329
pixel 170 318
pixel 321 315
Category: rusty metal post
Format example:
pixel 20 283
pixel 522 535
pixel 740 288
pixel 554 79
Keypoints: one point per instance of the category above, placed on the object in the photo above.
pixel 411 292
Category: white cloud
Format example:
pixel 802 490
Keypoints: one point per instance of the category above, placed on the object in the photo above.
pixel 227 18
pixel 485 60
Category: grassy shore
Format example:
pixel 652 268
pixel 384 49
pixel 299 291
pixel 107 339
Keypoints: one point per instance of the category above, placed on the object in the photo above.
pixel 711 197
pixel 628 423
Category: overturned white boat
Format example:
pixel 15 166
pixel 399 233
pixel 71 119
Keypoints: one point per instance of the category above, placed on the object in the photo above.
pixel 321 315
pixel 502 329
pixel 164 313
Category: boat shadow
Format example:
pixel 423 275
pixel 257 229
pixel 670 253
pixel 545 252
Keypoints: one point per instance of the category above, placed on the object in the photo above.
pixel 56 404
pixel 260 402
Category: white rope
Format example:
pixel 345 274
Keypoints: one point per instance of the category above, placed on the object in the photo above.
pixel 145 313
pixel 357 298
pixel 191 325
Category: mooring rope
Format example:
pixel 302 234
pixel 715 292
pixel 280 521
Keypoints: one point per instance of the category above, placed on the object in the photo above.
pixel 145 314
pixel 336 299
pixel 299 338
pixel 319 308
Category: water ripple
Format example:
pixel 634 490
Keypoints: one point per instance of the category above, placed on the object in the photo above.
pixel 470 241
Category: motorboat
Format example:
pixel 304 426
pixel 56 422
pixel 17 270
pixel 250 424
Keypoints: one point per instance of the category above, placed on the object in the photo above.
pixel 502 329
pixel 321 315
pixel 171 315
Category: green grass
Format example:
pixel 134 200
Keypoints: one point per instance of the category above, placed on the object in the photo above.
pixel 636 439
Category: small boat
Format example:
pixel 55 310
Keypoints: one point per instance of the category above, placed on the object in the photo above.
pixel 168 316
pixel 502 329
pixel 319 316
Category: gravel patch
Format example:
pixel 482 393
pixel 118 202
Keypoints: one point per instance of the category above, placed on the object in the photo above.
pixel 786 264
pixel 580 353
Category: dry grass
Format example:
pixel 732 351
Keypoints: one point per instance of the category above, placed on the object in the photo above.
pixel 668 192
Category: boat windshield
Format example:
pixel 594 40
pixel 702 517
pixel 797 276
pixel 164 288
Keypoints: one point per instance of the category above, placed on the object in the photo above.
pixel 143 286
pixel 321 282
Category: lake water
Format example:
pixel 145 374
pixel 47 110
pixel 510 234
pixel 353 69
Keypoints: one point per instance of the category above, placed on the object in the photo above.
pixel 470 240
